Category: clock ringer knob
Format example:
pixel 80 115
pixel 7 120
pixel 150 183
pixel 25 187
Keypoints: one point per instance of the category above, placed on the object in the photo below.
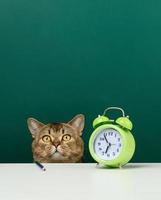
pixel 125 122
pixel 100 120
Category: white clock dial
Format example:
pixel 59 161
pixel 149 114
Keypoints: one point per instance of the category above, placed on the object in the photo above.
pixel 108 144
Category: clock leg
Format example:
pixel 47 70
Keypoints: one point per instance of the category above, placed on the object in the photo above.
pixel 120 166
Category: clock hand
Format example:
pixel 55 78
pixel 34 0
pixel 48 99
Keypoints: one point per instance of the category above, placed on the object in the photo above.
pixel 106 138
pixel 109 144
pixel 107 147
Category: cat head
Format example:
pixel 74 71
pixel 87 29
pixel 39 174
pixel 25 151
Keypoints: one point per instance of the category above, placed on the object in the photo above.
pixel 57 142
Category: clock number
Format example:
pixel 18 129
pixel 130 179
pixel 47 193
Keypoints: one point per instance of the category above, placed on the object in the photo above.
pixel 110 133
pixel 108 155
pixel 99 143
pixel 100 148
pixel 101 139
pixel 118 139
pixel 113 153
pixel 117 150
pixel 103 153
pixel 119 144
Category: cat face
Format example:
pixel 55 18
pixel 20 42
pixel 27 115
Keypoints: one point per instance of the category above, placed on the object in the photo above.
pixel 57 142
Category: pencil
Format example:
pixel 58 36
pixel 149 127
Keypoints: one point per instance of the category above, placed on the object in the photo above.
pixel 40 165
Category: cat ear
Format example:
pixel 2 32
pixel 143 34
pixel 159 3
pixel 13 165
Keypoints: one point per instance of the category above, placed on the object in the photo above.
pixel 34 126
pixel 78 123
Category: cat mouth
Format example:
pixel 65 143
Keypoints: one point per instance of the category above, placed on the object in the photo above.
pixel 57 155
pixel 56 152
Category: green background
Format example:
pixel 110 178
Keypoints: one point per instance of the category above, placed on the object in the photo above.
pixel 61 58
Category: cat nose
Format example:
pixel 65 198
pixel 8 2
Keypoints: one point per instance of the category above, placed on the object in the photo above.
pixel 56 144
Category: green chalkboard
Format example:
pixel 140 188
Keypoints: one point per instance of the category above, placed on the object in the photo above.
pixel 61 58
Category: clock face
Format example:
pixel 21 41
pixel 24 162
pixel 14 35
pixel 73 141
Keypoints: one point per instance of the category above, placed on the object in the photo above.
pixel 108 144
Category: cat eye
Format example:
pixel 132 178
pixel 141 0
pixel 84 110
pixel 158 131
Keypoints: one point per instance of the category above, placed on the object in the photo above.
pixel 46 138
pixel 66 137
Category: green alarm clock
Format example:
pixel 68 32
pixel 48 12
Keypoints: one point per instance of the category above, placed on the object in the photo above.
pixel 112 143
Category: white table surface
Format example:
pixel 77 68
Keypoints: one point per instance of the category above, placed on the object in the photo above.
pixel 80 181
